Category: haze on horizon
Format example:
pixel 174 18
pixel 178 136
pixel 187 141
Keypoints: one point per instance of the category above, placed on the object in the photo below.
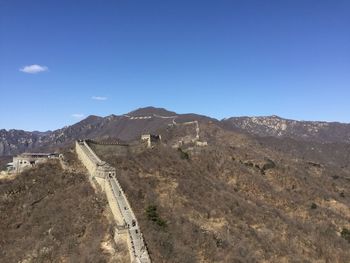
pixel 62 61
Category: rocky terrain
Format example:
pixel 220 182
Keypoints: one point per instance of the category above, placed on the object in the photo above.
pixel 300 130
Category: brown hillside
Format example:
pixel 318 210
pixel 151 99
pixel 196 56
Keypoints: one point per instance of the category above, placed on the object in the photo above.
pixel 237 201
pixel 50 215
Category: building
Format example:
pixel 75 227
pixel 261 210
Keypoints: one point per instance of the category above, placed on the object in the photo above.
pixel 28 160
pixel 150 139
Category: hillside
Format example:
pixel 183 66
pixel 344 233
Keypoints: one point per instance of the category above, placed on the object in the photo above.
pixel 260 191
pixel 238 200
pixel 51 215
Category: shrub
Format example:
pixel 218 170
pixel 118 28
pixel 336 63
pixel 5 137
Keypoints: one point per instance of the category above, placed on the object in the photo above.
pixel 313 206
pixel 345 233
pixel 183 155
pixel 249 164
pixel 269 164
pixel 152 214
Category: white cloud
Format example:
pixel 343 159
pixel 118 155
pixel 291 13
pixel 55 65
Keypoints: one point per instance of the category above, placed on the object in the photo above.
pixel 78 115
pixel 33 69
pixel 98 98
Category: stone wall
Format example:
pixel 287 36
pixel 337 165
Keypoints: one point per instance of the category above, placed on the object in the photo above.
pixel 113 204
pixel 95 166
pixel 121 209
pixel 85 157
pixel 117 149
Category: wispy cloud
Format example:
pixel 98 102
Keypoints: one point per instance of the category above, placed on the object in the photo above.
pixel 33 69
pixel 78 115
pixel 98 98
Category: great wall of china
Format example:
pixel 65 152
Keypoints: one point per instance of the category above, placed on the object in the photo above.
pixel 106 176
pixel 173 122
pixel 172 118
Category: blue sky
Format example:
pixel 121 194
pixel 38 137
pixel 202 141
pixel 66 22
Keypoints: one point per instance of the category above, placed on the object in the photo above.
pixel 219 58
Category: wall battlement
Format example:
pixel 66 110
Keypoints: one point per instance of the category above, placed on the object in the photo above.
pixel 117 200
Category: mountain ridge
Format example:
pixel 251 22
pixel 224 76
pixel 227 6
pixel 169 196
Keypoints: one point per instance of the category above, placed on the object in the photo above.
pixel 275 126
pixel 131 125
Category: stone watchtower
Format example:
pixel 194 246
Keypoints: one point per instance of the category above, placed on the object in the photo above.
pixel 150 138
pixel 104 170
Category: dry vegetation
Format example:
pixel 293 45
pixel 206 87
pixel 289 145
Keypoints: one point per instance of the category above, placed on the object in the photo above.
pixel 51 215
pixel 241 199
pixel 3 161
pixel 237 201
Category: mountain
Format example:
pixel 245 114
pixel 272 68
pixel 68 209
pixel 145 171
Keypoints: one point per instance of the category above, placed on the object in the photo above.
pixel 130 126
pixel 264 189
pixel 124 127
pixel 325 132
pixel 149 111
pixel 16 141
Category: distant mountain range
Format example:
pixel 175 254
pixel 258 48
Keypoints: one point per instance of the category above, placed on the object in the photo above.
pixel 149 120
pixel 324 132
